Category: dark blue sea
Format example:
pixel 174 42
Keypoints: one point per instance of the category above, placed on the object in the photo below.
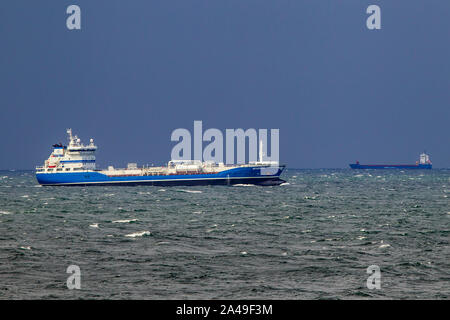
pixel 311 238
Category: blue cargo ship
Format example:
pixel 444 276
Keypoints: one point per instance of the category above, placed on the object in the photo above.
pixel 75 165
pixel 423 163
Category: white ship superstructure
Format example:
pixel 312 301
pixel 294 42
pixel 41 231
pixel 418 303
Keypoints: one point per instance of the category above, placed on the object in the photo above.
pixel 424 159
pixel 74 157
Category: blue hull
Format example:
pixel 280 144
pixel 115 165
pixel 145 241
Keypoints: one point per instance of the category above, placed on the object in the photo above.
pixel 245 175
pixel 387 166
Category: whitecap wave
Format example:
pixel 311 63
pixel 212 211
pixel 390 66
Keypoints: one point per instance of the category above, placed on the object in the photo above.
pixel 384 245
pixel 125 221
pixel 190 191
pixel 138 234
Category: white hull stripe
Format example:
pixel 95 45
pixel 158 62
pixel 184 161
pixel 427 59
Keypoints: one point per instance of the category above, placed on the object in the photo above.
pixel 128 181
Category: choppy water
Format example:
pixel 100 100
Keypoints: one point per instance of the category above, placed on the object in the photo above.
pixel 311 238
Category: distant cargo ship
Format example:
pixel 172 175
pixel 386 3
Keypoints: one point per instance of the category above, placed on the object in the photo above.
pixel 75 165
pixel 423 163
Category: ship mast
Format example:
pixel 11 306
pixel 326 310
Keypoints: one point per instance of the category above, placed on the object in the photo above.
pixel 69 132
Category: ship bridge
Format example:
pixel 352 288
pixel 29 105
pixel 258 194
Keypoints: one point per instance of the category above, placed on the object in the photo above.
pixel 74 157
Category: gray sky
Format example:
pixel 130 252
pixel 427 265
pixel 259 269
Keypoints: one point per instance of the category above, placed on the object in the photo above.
pixel 137 70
